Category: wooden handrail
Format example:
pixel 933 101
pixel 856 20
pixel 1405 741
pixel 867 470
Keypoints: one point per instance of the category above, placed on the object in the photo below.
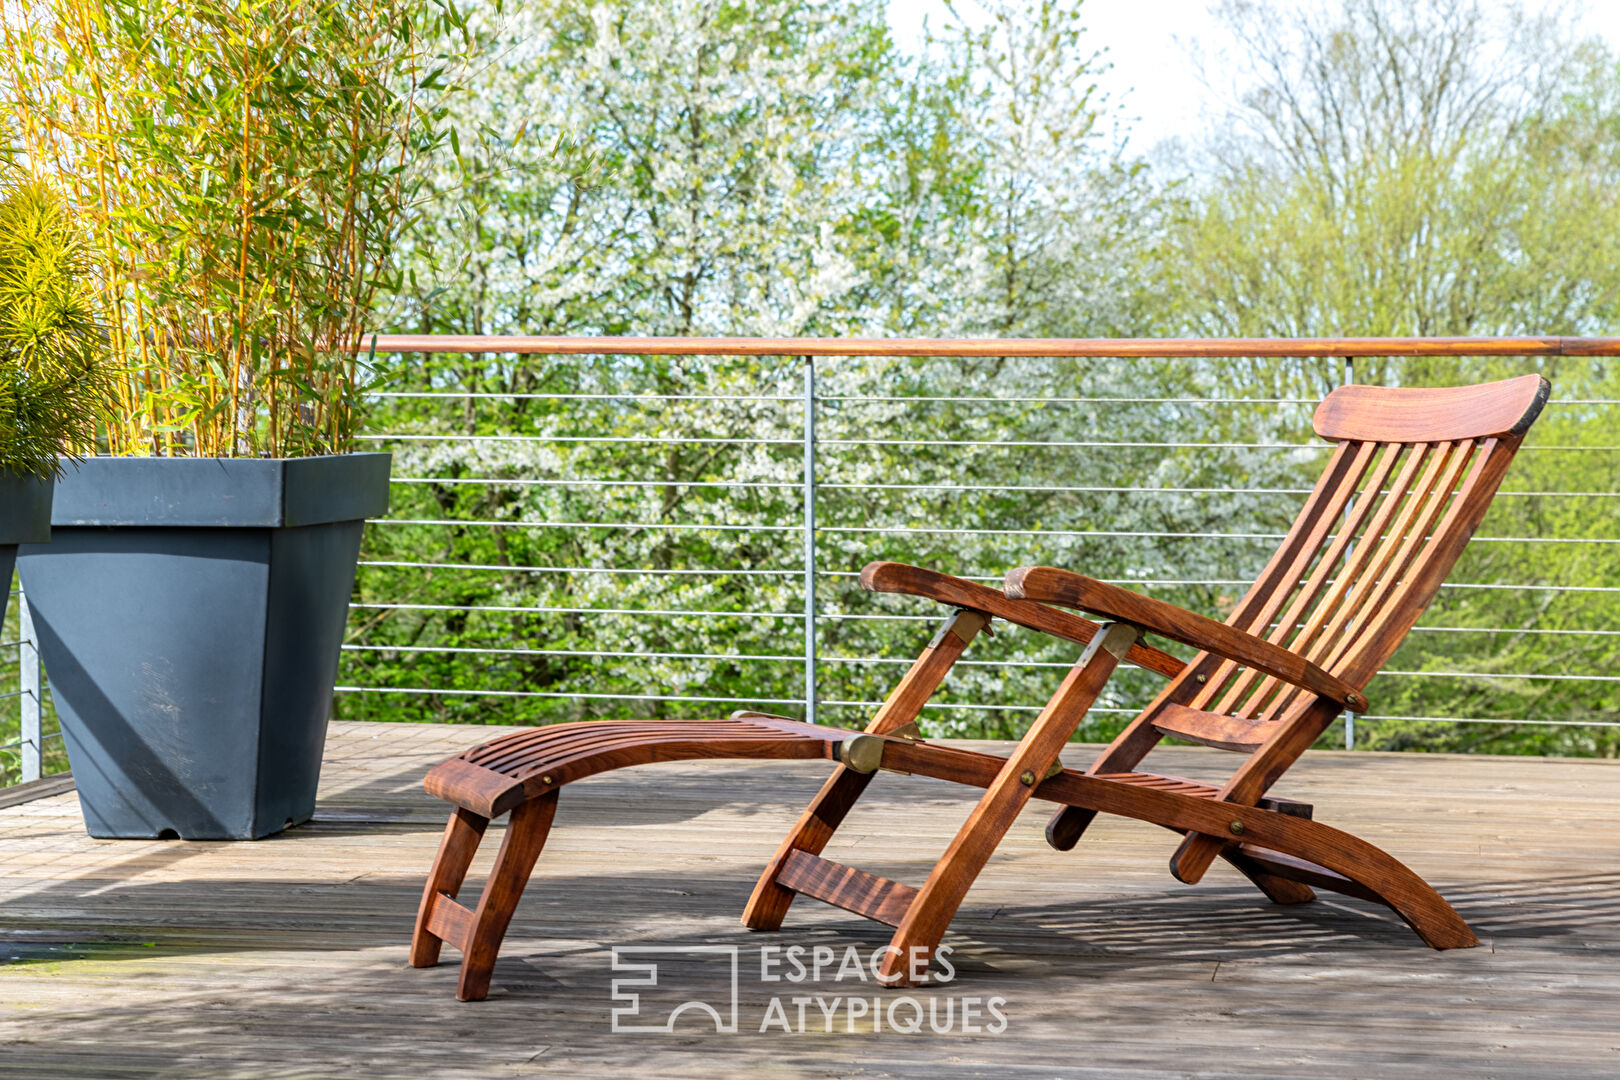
pixel 1136 347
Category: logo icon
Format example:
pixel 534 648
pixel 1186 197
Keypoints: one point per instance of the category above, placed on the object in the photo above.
pixel 646 1006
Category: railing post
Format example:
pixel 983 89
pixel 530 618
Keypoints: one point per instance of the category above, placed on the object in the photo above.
pixel 1347 376
pixel 28 665
pixel 809 539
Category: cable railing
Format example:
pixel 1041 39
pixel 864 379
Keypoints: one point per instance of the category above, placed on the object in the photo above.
pixel 589 527
pixel 33 743
pixel 744 518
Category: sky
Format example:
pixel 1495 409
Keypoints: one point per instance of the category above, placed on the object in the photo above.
pixel 1155 46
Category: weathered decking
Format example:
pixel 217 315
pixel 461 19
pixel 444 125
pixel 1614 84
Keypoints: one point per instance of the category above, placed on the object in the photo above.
pixel 287 957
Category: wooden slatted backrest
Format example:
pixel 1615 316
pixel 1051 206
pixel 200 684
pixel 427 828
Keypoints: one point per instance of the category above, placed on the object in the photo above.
pixel 1412 475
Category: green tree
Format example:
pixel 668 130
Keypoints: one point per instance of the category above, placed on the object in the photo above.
pixel 241 172
pixel 1412 168
pixel 784 172
pixel 1403 167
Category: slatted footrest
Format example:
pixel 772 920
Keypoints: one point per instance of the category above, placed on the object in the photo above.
pixel 495 776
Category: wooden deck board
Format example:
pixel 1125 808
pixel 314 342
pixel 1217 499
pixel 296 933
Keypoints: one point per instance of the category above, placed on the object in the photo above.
pixel 286 957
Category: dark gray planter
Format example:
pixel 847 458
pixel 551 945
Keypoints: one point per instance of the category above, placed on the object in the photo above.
pixel 189 614
pixel 25 518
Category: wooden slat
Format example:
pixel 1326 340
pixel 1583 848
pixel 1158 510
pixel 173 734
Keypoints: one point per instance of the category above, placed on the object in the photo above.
pixel 1387 503
pixel 1291 807
pixel 1384 589
pixel 1211 729
pixel 842 886
pixel 1418 506
pixel 1292 626
pixel 1259 606
pixel 1375 644
pixel 499 775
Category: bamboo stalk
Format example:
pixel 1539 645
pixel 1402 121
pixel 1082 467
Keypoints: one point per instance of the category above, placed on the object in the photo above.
pixel 239 220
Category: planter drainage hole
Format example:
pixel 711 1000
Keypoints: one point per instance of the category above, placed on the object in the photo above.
pixel 168 834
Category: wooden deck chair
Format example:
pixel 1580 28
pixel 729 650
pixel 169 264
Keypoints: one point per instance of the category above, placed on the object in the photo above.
pixel 1410 479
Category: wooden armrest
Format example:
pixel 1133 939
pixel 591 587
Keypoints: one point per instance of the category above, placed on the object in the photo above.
pixel 893 577
pixel 1049 586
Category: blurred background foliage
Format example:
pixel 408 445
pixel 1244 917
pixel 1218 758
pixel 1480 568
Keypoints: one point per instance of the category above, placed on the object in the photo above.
pixel 779 167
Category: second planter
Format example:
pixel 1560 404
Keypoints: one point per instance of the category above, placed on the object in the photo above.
pixel 25 518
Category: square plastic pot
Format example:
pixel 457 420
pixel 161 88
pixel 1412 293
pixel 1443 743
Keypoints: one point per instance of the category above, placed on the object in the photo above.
pixel 25 518
pixel 190 613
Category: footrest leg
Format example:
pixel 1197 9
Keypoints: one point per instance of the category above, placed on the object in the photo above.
pixel 525 836
pixel 456 850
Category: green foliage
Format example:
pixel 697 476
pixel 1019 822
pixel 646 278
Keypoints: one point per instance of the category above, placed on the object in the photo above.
pixel 791 173
pixel 242 171
pixel 785 173
pixel 1409 171
pixel 1404 171
pixel 53 370
pixel 697 167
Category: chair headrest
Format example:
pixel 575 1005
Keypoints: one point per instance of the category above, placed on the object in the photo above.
pixel 1444 414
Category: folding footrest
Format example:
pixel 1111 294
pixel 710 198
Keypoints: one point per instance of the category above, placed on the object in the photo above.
pixel 496 776
pixel 875 897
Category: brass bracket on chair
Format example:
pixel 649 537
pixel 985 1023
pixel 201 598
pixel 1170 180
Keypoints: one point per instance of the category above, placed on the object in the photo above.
pixel 861 753
pixel 964 623
pixel 909 732
pixel 1028 778
pixel 1114 638
pixel 864 753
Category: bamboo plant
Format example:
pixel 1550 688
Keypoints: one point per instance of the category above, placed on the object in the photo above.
pixel 243 168
pixel 53 373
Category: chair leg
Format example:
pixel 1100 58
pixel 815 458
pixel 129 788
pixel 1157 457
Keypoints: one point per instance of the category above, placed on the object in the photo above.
pixel 936 902
pixel 461 837
pixel 768 905
pixel 1287 848
pixel 1067 825
pixel 520 847
pixel 1347 864
pixel 1279 890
